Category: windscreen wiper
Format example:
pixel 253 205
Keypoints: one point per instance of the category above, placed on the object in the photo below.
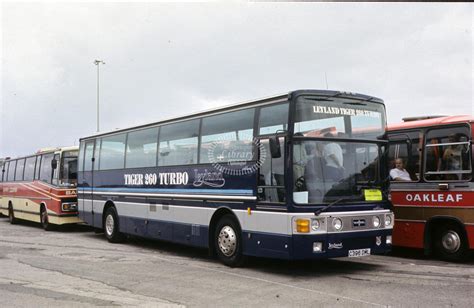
pixel 327 206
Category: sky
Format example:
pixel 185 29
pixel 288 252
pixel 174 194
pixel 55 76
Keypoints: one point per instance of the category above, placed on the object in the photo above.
pixel 171 59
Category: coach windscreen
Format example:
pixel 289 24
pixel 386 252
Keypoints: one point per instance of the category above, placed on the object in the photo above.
pixel 339 118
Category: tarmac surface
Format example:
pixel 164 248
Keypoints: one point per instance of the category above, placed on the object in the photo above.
pixel 75 267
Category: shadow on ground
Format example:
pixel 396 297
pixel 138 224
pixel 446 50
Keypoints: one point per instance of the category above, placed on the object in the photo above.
pixel 63 228
pixel 305 268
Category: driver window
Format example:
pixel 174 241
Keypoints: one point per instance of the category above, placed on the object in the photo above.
pixel 404 156
pixel 271 177
pixel 54 179
pixel 447 154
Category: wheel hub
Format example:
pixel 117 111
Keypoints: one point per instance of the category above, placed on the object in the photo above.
pixel 109 225
pixel 227 241
pixel 451 241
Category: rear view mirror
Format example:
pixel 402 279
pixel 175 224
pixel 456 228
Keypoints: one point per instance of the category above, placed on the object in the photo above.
pixel 275 147
pixel 54 163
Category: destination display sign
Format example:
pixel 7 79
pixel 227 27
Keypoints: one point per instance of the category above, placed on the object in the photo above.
pixel 427 198
pixel 346 111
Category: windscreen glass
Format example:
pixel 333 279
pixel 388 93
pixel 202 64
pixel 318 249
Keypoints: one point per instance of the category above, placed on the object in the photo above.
pixel 68 169
pixel 326 171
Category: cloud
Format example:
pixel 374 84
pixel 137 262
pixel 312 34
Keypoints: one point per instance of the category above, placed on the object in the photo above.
pixel 167 59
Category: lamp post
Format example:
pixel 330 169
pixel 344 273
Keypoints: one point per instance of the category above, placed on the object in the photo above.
pixel 97 63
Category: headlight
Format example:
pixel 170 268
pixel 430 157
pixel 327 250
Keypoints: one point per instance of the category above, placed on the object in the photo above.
pixel 315 224
pixel 388 220
pixel 337 223
pixel 69 206
pixel 376 221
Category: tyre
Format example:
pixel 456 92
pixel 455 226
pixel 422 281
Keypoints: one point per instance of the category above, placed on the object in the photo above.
pixel 228 241
pixel 112 227
pixel 44 219
pixel 450 243
pixel 11 215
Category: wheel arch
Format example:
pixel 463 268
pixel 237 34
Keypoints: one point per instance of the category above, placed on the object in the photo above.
pixel 218 214
pixel 43 204
pixel 108 204
pixel 430 228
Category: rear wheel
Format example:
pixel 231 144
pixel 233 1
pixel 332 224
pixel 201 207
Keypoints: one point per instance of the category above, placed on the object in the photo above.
pixel 45 219
pixel 450 243
pixel 11 215
pixel 228 241
pixel 112 227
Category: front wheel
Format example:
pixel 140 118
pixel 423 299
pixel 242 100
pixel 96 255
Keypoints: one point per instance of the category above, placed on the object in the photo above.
pixel 228 241
pixel 111 226
pixel 11 215
pixel 450 243
pixel 45 219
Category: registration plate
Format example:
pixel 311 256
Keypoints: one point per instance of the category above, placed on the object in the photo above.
pixel 359 252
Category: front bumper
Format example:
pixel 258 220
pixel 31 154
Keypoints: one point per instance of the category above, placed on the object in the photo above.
pixel 338 244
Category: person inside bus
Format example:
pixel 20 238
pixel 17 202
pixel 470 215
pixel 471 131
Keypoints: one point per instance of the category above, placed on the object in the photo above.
pixel 332 153
pixel 399 173
pixel 452 157
pixel 315 175
pixel 318 166
pixel 452 154
pixel 314 168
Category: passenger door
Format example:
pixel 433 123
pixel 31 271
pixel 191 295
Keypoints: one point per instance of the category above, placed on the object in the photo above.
pixel 406 146
pixel 271 175
pixel 87 183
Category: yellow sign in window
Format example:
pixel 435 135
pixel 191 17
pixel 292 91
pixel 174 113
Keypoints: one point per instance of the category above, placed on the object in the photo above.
pixel 373 195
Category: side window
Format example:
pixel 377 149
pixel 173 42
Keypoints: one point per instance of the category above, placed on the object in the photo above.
pixel 54 179
pixel 112 152
pixel 447 155
pixel 271 184
pixel 404 156
pixel 11 171
pixel 179 143
pixel 88 154
pixel 38 166
pixel 5 171
pixel 20 167
pixel 46 171
pixel 227 137
pixel 273 118
pixel 30 168
pixel 141 148
pixel 80 161
pixel 96 155
pixel 68 168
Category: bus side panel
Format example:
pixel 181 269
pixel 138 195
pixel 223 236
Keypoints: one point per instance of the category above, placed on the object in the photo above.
pixel 85 196
pixel 265 233
pixel 408 234
pixel 258 244
pixel 85 209
pixel 97 212
pixel 158 229
pixel 409 227
pixel 133 226
pixel 171 222
pixel 470 235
